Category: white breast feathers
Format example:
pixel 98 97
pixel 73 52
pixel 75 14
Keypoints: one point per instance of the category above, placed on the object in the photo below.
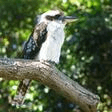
pixel 51 48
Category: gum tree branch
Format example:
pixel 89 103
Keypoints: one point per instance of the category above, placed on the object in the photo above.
pixel 47 74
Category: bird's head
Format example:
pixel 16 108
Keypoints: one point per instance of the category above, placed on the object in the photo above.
pixel 55 15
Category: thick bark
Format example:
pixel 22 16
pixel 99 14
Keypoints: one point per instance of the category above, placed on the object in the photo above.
pixel 49 75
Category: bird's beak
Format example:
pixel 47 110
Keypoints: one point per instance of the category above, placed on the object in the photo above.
pixel 67 19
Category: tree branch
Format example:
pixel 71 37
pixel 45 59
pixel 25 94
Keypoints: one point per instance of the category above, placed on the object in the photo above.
pixel 49 75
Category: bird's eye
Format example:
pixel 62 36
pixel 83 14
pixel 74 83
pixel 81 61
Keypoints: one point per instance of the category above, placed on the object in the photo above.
pixel 49 18
pixel 57 16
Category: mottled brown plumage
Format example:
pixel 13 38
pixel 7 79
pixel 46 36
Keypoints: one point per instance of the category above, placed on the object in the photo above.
pixel 44 43
pixel 36 39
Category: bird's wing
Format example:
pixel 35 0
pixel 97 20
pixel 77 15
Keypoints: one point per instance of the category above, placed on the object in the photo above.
pixel 35 41
pixel 31 49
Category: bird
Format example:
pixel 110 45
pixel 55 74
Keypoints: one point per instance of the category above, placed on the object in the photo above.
pixel 44 43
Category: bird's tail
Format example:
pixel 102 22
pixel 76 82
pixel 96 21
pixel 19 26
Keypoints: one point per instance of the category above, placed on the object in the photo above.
pixel 21 91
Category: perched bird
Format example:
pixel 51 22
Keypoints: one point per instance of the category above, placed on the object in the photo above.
pixel 44 43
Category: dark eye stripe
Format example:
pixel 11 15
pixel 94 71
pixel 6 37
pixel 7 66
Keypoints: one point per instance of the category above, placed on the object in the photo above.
pixel 49 18
pixel 57 16
pixel 53 17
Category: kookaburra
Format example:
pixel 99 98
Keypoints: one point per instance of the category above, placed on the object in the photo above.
pixel 44 43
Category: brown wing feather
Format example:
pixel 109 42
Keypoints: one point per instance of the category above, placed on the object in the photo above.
pixel 31 49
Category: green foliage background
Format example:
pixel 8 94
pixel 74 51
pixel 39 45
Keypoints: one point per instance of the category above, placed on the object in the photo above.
pixel 86 54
